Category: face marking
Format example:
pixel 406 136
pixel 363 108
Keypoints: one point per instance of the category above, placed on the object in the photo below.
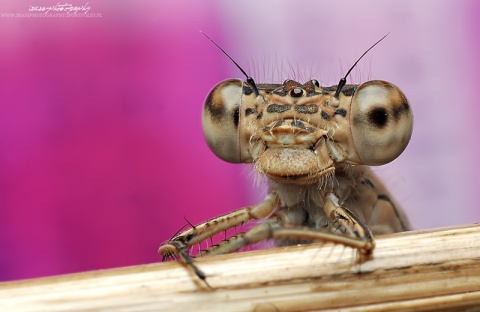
pixel 306 109
pixel 325 115
pixel 278 124
pixel 297 123
pixel 275 108
pixel 275 125
pixel 249 111
pixel 340 111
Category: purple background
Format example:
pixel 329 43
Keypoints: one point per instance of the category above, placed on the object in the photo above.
pixel 101 150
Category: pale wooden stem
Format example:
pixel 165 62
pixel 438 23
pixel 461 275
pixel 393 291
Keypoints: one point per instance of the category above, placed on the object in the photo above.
pixel 428 270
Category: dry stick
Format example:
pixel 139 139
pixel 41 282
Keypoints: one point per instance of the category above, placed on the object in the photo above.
pixel 428 270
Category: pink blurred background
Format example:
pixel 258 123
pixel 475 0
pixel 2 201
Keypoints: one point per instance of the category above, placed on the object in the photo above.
pixel 101 150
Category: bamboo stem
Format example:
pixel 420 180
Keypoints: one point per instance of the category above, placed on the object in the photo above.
pixel 427 270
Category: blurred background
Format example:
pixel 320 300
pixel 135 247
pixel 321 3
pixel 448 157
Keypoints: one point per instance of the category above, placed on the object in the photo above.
pixel 101 150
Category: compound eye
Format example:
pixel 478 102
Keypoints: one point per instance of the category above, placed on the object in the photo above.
pixel 381 122
pixel 220 118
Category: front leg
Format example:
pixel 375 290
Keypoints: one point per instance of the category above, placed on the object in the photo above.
pixel 179 244
pixel 357 234
pixel 351 223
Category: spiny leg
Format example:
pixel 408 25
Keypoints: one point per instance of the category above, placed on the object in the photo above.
pixel 179 244
pixel 272 230
pixel 359 236
pixel 182 254
pixel 354 226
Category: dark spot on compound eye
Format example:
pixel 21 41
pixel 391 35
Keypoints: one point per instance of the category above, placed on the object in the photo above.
pixel 275 108
pixel 378 116
pixel 296 92
pixel 214 105
pixel 325 115
pixel 249 111
pixel 341 112
pixel 401 109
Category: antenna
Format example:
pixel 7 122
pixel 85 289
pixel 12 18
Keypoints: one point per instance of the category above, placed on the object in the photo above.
pixel 343 81
pixel 249 79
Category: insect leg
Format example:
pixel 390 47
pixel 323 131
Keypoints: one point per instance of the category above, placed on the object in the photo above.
pixel 216 225
pixel 272 230
pixel 359 236
pixel 356 227
pixel 178 245
pixel 182 254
